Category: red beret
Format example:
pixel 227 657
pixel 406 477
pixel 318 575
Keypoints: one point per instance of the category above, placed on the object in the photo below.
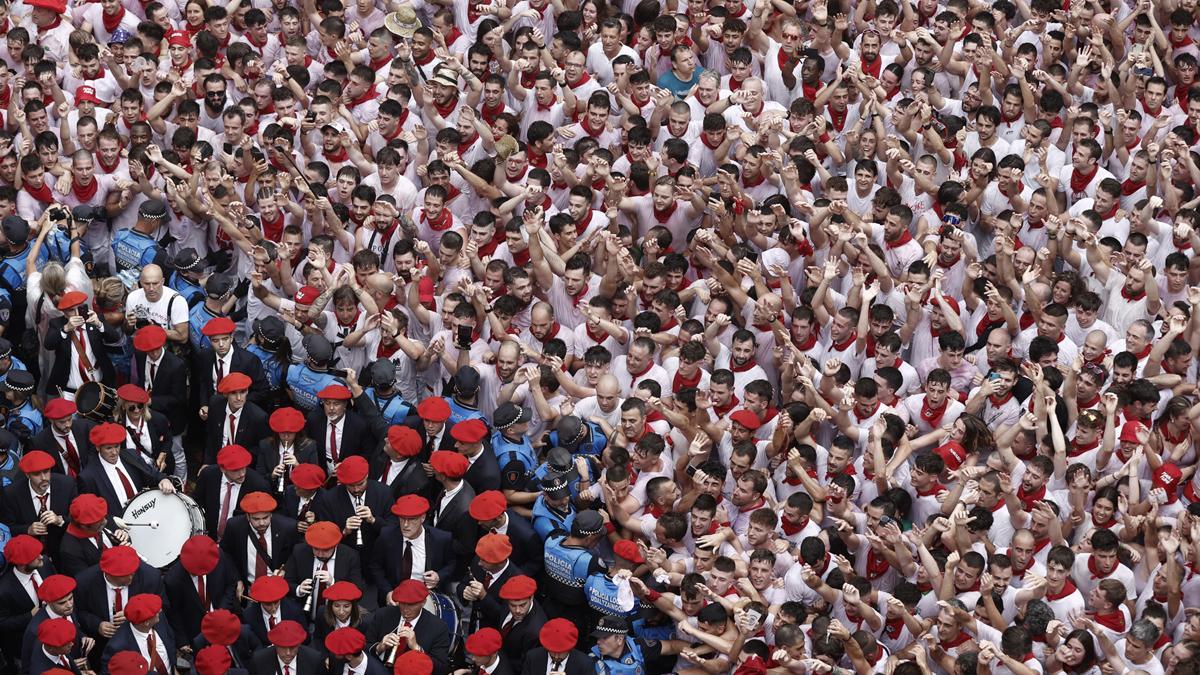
pixel 434 409
pixel 213 660
pixel 56 587
pixel 133 393
pixel 221 627
pixel 519 587
pixel 22 549
pixel 404 440
pixel 469 431
pixel 233 382
pixel 59 408
pixel 308 476
pixel 493 548
pixel 287 634
pixel 345 642
pixel 107 434
pixel 343 590
pixel 410 592
pixel 88 509
pixel 128 662
pixel 485 642
pixel 746 418
pixel 199 555
pixel 628 550
pixel 258 502
pixel 411 506
pixel 142 607
pixel 71 299
pixel 35 461
pixel 234 458
pixel 148 338
pixel 352 470
pixel 119 561
pixel 449 463
pixel 334 392
pixel 56 632
pixel 413 663
pixel 268 588
pixel 287 420
pixel 559 635
pixel 323 535
pixel 488 505
pixel 219 325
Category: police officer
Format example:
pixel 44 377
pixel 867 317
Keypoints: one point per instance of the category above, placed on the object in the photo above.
pixel 13 301
pixel 57 246
pixel 305 380
pixel 608 592
pixel 577 472
pixel 218 300
pixel 616 653
pixel 579 436
pixel 185 278
pixel 569 563
pixel 24 420
pixel 381 375
pixel 464 394
pixel 8 361
pixel 552 510
pixel 513 450
pixel 268 341
pixel 138 246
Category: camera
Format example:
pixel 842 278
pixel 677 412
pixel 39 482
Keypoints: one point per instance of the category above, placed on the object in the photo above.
pixel 58 213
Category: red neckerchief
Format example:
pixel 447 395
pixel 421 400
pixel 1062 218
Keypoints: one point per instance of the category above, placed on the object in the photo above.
pixel 1174 438
pixel 442 223
pixel 42 194
pixel 1080 181
pixel 583 224
pixel 1106 525
pixel 871 68
pixel 465 146
pixel 537 159
pixel 877 564
pixel 948 265
pixel 904 238
pixel 983 327
pixel 754 182
pixel 838 119
pixel 578 297
pixel 665 215
pixel 1129 186
pixel 1096 573
pixel 958 641
pixel 1029 498
pixel 111 23
pixel 1078 448
pixel 587 128
pixel 933 416
pixel 423 60
pixel 84 193
pixel 998 401
pixel 707 143
pixel 745 367
pixel 862 418
pixel 52 26
pixel 1114 621
pixel 790 529
pixel 445 110
pixel 491 114
pixel 545 107
pixel 338 156
pixel 722 410
pixel 1179 43
pixel 679 381
pixel 808 343
pixel 845 344
pixel 367 96
pixel 273 229
pixel 931 490
pixel 893 628
pixel 810 91
pixel 1132 297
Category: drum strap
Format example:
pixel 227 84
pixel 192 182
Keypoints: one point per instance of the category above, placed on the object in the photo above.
pixel 85 364
pixel 258 548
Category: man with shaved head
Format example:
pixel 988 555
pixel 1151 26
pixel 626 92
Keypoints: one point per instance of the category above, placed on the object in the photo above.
pixel 153 303
pixel 605 404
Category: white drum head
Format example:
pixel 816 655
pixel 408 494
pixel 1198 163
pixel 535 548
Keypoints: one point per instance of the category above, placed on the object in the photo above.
pixel 160 523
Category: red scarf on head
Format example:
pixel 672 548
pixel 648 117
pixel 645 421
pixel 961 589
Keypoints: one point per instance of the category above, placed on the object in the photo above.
pixel 111 23
pixel 42 194
pixel 84 193
pixel 1080 181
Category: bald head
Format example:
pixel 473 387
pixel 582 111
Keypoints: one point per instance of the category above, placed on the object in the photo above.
pixel 152 282
pixel 381 283
pixel 608 393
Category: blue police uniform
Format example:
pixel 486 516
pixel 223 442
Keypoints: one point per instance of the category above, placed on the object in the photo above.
pixel 646 631
pixel 516 459
pixel 594 445
pixel 462 411
pixel 134 249
pixel 16 364
pixel 631 661
pixel 543 470
pixel 12 267
pixel 393 408
pixel 272 366
pixel 24 422
pixel 197 317
pixel 547 520
pixel 304 383
pixel 57 246
pixel 602 596
pixel 185 287
pixel 567 570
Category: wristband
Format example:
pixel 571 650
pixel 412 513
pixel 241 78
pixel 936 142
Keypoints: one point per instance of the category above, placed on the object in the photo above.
pixel 609 528
pixel 652 595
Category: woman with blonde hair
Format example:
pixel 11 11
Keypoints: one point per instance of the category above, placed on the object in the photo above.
pixel 147 432
pixel 44 287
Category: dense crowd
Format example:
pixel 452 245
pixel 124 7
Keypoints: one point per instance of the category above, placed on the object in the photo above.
pixel 574 336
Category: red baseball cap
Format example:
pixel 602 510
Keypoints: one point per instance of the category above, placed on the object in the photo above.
pixel 86 93
pixel 1129 431
pixel 307 295
pixel 953 454
pixel 628 550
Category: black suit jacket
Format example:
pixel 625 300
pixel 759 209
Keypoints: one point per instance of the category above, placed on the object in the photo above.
pixel 242 361
pixel 347 566
pixel 94 480
pixel 18 508
pixel 577 663
pixel 30 644
pixel 431 633
pixel 208 494
pixel 524 636
pixel 253 426
pixel 123 640
pixel 410 481
pixel 76 555
pixel 384 565
pixel 374 666
pixel 45 441
pixel 185 609
pixel 236 543
pixel 335 505
pixel 160 439
pixel 489 610
pixel 38 663
pixel 356 436
pixel 241 651
pixel 289 609
pixel 484 473
pixel 169 389
pixel 101 339
pixel 456 519
pixel 307 662
pixel 527 545
pixel 91 594
pixel 16 607
pixel 267 458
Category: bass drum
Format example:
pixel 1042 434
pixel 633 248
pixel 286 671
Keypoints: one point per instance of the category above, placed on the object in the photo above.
pixel 160 523
pixel 443 607
pixel 96 401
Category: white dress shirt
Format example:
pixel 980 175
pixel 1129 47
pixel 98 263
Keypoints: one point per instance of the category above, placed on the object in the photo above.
pixel 143 640
pixel 337 428
pixel 111 470
pixel 449 496
pixel 252 551
pixel 418 555
pixel 27 580
pixel 151 371
pixel 228 431
pixel 75 375
pixel 221 366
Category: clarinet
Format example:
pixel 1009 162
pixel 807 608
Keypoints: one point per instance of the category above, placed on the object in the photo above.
pixel 287 470
pixel 391 659
pixel 358 540
pixel 308 602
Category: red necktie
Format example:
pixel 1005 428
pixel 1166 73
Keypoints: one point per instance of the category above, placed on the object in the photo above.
pixel 118 603
pixel 34 582
pixel 508 626
pixel 156 662
pixel 153 373
pixel 224 510
pixel 287 670
pixel 232 428
pixel 487 582
pixel 85 366
pixel 42 499
pixel 125 483
pixel 333 450
pixel 271 622
pixel 62 661
pixel 202 592
pixel 72 456
pixel 260 560
pixel 220 370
